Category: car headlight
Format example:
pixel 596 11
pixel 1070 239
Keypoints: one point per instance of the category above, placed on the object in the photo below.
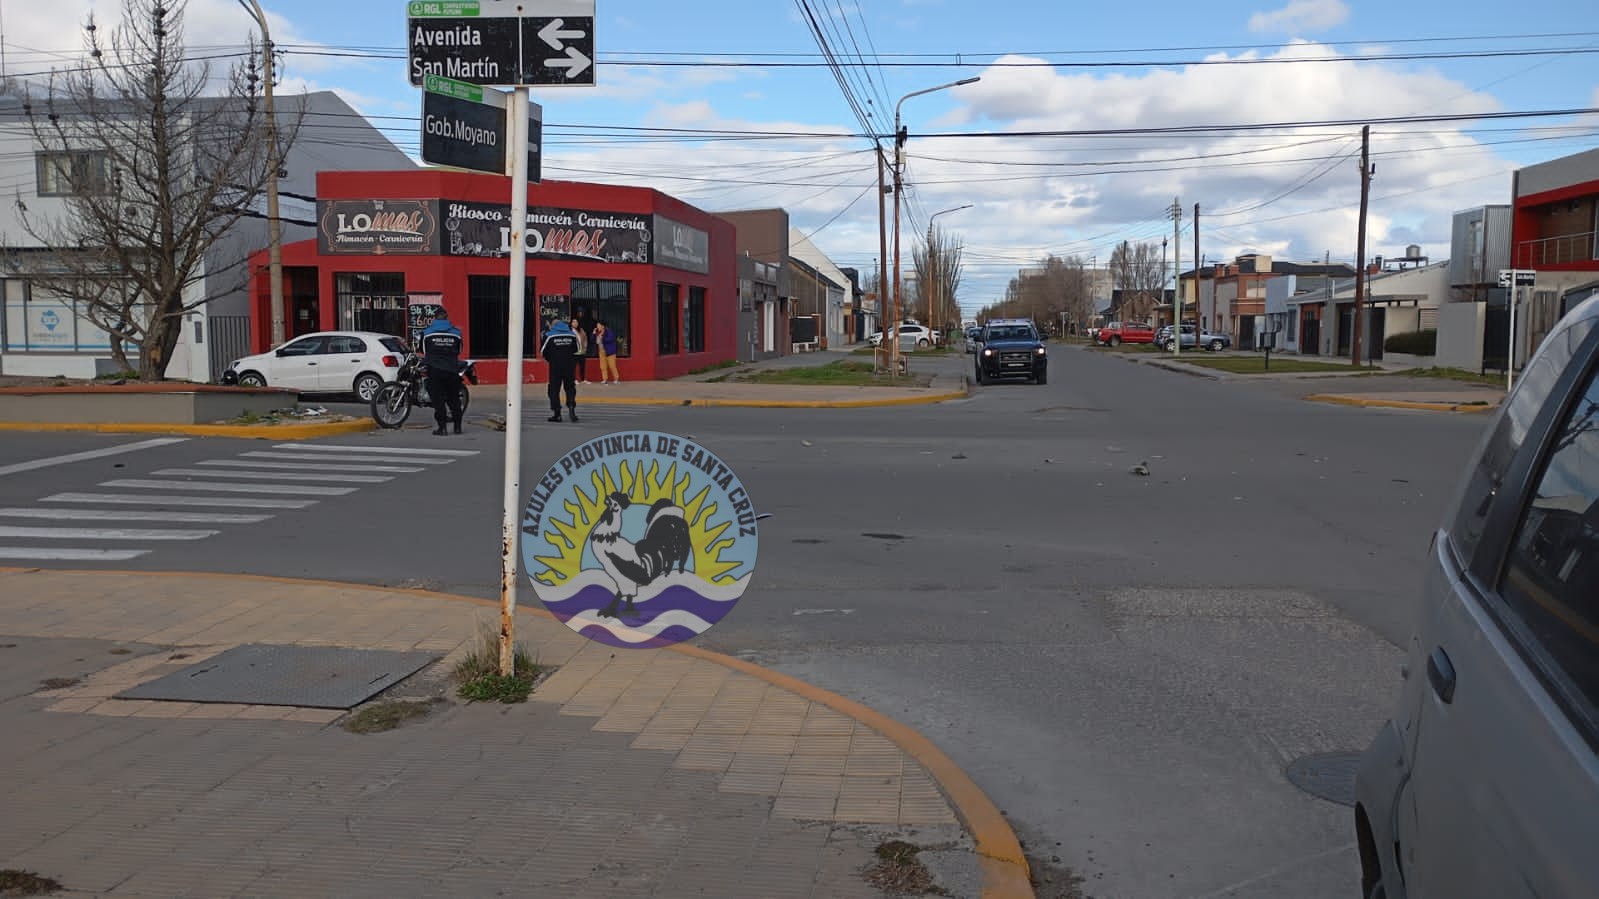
pixel 1040 351
pixel 234 364
pixel 988 352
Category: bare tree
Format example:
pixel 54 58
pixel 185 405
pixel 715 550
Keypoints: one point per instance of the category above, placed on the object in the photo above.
pixel 1139 273
pixel 151 171
pixel 938 279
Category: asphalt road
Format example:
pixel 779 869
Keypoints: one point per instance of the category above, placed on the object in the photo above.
pixel 1125 663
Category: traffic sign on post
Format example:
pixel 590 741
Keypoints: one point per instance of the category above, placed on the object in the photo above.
pixel 502 42
pixel 465 126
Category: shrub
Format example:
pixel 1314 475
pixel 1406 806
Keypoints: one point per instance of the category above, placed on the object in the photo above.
pixel 1414 343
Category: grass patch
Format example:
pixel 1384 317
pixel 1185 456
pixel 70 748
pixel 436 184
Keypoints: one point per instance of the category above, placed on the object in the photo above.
pixel 1254 365
pixel 60 683
pixel 898 871
pixel 1462 375
pixel 15 882
pixel 478 672
pixel 843 373
pixel 387 715
pixel 725 363
pixel 1130 348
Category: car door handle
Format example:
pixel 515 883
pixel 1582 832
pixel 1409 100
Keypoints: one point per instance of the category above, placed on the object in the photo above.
pixel 1441 673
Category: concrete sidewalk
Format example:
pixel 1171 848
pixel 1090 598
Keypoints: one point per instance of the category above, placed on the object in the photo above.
pixel 673 772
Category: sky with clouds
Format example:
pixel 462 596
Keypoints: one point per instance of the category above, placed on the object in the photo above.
pixel 1085 125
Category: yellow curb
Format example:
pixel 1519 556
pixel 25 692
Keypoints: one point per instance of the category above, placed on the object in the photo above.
pixel 1342 400
pixel 918 400
pixel 1000 858
pixel 244 432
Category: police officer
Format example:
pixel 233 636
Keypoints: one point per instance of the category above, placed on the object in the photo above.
pixel 441 352
pixel 560 351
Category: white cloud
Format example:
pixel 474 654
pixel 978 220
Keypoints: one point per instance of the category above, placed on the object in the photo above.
pixel 1301 17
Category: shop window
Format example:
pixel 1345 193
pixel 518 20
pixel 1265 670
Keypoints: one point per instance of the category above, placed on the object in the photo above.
pixel 667 319
pixel 36 320
pixel 608 302
pixel 371 301
pixel 694 321
pixel 488 317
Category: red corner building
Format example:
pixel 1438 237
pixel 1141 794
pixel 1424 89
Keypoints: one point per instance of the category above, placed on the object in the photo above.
pixel 393 246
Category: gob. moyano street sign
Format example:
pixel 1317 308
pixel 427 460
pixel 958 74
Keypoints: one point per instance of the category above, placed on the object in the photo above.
pixel 465 126
pixel 503 42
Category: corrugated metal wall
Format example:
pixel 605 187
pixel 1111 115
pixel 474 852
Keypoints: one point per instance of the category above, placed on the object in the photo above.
pixel 1466 264
pixel 229 338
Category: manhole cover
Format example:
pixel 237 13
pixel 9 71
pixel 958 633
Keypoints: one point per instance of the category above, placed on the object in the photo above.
pixel 318 677
pixel 1327 775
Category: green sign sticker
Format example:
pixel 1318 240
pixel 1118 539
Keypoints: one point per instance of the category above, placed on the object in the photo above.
pixel 451 9
pixel 438 84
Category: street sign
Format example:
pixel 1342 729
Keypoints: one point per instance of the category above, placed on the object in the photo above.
pixel 465 126
pixel 502 42
pixel 1519 277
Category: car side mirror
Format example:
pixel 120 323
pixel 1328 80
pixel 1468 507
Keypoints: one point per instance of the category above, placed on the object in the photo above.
pixel 280 352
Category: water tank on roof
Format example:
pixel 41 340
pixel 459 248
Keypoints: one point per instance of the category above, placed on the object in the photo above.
pixel 1413 251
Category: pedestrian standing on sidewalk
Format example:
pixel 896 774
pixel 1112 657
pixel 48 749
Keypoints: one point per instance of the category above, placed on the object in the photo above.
pixel 441 353
pixel 560 352
pixel 582 351
pixel 605 338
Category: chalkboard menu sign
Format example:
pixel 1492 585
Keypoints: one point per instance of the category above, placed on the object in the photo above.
pixel 421 309
pixel 553 307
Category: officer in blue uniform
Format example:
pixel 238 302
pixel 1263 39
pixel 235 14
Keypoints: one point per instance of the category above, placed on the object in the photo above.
pixel 441 352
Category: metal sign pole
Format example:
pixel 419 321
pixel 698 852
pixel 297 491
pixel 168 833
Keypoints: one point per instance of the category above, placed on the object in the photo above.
pixel 514 351
pixel 1510 359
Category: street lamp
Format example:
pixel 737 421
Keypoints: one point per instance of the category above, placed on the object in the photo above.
pixel 938 277
pixel 899 172
pixel 274 226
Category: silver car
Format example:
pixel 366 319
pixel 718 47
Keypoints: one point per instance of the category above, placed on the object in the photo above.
pixel 1486 781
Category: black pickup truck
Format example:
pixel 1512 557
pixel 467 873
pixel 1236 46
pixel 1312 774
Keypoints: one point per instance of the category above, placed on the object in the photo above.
pixel 1011 348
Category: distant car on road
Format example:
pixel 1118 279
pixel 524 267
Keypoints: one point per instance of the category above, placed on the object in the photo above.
pixel 1012 348
pixel 1214 341
pixel 1486 780
pixel 922 336
pixel 358 362
pixel 1117 333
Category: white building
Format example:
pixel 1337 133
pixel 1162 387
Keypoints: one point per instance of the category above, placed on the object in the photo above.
pixel 47 335
pixel 838 299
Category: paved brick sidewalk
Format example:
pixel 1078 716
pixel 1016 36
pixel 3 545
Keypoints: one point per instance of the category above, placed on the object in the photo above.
pixel 634 773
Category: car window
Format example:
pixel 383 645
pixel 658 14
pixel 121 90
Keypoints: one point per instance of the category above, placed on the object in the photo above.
pixel 1551 578
pixel 1499 447
pixel 342 345
pixel 393 344
pixel 306 346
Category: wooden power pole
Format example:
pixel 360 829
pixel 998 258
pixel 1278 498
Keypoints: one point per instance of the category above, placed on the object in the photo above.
pixel 1366 170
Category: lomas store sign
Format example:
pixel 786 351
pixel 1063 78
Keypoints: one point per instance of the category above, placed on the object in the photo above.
pixel 484 229
pixel 378 227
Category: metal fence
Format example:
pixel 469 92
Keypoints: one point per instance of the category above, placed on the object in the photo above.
pixel 229 339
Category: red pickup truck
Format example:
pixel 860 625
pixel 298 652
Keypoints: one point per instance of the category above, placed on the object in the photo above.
pixel 1125 332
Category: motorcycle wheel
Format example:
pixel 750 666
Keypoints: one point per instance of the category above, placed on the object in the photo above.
pixel 466 398
pixel 390 406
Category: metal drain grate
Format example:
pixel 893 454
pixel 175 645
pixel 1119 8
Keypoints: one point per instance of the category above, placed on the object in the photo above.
pixel 1328 775
pixel 318 677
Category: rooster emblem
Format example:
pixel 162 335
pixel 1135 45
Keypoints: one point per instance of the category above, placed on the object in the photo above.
pixel 630 566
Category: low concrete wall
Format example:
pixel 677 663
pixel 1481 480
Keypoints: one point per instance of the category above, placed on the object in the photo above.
pixel 139 404
pixel 1460 335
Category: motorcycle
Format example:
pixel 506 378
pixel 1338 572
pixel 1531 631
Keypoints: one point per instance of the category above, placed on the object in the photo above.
pixel 391 405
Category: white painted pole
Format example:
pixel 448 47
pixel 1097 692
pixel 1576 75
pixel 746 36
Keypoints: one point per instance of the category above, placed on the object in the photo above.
pixel 514 350
pixel 1510 360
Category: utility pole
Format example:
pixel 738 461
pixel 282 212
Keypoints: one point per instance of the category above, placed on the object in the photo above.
pixel 1177 269
pixel 882 255
pixel 274 165
pixel 1366 171
pixel 1199 310
pixel 899 166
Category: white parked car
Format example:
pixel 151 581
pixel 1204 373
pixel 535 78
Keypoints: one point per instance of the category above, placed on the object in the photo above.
pixel 358 362
pixel 917 334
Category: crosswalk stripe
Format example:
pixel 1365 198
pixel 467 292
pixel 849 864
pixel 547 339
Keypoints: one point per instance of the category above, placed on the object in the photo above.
pixel 89 454
pixel 287 489
pixel 103 533
pixel 322 457
pixel 399 450
pixel 64 554
pixel 231 502
pixel 279 475
pixel 132 515
pixel 301 466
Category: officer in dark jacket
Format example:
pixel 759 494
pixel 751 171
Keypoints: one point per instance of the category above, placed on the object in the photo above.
pixel 441 352
pixel 560 351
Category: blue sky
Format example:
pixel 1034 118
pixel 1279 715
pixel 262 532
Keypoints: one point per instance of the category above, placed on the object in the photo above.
pixel 1065 67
